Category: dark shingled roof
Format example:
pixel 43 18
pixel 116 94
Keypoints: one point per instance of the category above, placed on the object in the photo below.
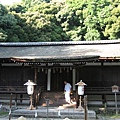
pixel 60 51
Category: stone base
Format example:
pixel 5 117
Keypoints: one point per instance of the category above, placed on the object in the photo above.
pixel 54 112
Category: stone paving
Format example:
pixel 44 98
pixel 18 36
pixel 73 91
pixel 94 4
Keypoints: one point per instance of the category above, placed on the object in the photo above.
pixel 49 113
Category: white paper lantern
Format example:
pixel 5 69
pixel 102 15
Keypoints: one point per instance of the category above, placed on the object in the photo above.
pixel 80 90
pixel 30 89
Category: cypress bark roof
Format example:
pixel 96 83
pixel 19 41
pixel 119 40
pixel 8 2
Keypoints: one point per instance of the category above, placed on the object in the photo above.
pixel 60 51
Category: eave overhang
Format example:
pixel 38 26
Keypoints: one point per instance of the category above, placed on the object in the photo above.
pixel 62 59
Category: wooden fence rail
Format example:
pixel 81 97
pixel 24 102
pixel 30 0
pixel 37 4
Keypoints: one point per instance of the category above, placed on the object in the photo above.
pixel 18 93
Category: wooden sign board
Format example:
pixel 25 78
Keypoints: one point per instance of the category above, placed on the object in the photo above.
pixel 115 88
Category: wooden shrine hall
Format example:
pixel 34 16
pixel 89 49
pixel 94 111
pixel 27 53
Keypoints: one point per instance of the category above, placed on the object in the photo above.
pixel 49 64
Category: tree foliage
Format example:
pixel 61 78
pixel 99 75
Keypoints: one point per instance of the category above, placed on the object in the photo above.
pixel 112 22
pixel 45 20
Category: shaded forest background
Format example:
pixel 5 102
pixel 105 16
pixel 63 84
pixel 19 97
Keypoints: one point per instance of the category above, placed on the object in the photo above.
pixel 65 20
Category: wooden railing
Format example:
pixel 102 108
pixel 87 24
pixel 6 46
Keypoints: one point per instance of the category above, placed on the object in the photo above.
pixel 16 89
pixel 18 92
pixel 99 91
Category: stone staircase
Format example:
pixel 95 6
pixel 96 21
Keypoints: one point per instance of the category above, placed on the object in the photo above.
pixel 54 98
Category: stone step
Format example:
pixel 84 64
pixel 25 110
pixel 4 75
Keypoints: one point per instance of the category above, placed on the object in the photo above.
pixel 54 112
pixel 55 98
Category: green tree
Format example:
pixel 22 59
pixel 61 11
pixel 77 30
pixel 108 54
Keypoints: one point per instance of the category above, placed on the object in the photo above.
pixel 71 20
pixel 3 36
pixel 94 15
pixel 44 20
pixel 112 22
pixel 3 10
pixel 42 23
pixel 17 8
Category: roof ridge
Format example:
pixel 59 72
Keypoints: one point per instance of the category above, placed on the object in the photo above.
pixel 59 43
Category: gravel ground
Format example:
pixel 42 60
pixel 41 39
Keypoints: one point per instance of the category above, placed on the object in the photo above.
pixel 99 118
pixel 23 118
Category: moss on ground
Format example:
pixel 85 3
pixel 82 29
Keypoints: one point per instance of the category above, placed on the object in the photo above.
pixel 3 113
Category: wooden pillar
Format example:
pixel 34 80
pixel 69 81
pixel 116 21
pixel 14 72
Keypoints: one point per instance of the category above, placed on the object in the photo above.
pixel 77 75
pixel 73 78
pixel 85 108
pixel 35 89
pixel 102 74
pixel 1 74
pixel 35 77
pixel 21 83
pixel 77 96
pixel 22 75
pixel 49 80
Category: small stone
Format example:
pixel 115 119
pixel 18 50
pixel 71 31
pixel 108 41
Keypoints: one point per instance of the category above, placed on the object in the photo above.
pixel 66 119
pixel 21 118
